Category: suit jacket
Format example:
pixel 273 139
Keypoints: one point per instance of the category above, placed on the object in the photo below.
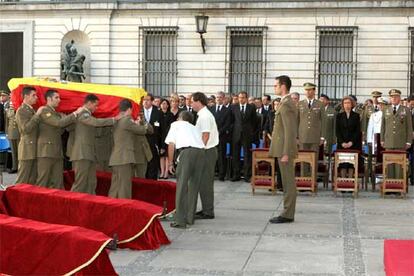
pixel 310 121
pixel 143 153
pixel 11 125
pixel 396 130
pixel 28 123
pixel 81 144
pixel 348 130
pixel 244 125
pixel 125 131
pixel 49 142
pixel 154 139
pixel 223 121
pixel 285 130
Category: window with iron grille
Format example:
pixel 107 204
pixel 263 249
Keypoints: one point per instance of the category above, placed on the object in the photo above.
pixel 411 64
pixel 246 61
pixel 336 61
pixel 159 60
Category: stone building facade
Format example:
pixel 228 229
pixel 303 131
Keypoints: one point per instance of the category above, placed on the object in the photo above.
pixel 343 46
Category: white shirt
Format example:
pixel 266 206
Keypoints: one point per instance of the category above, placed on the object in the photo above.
pixel 243 107
pixel 374 126
pixel 207 123
pixel 183 134
pixel 147 114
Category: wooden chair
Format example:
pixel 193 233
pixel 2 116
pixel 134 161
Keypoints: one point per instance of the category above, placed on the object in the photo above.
pixel 346 184
pixel 306 183
pixel 396 185
pixel 263 170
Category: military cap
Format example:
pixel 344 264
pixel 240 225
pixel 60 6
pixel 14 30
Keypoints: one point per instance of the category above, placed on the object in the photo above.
pixel 381 100
pixel 376 94
pixel 394 92
pixel 4 93
pixel 309 85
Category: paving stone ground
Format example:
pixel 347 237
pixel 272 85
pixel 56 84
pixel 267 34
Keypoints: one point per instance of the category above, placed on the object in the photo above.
pixel 330 236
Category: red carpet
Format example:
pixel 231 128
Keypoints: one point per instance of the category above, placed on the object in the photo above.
pixel 30 247
pixel 135 222
pixel 399 257
pixel 161 193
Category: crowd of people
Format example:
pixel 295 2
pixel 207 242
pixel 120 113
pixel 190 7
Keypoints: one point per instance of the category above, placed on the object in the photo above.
pixel 194 136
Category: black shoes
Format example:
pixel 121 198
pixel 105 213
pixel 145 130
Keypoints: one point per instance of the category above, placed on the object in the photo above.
pixel 176 225
pixel 280 219
pixel 201 215
pixel 221 178
pixel 234 179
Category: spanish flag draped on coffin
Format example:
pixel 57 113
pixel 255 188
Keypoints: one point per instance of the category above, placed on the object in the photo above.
pixel 72 95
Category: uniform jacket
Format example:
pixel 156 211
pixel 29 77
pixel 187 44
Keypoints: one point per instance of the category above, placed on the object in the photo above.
pixel 125 132
pixel 49 142
pixel 285 130
pixel 310 121
pixel 103 143
pixel 11 125
pixel 328 125
pixel 28 123
pixel 81 144
pixel 396 130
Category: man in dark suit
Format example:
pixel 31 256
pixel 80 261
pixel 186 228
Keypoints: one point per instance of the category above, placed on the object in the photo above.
pixel 261 113
pixel 152 116
pixel 411 107
pixel 244 129
pixel 222 114
pixel 189 108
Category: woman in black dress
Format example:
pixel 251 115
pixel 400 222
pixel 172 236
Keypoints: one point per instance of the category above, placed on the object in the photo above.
pixel 348 132
pixel 166 120
pixel 174 108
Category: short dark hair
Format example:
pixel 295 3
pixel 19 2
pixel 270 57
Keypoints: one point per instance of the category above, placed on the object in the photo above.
pixel 410 98
pixel 200 97
pixel 324 96
pixel 27 90
pixel 284 79
pixel 151 96
pixel 90 98
pixel 267 97
pixel 186 116
pixel 124 105
pixel 49 93
pixel 244 93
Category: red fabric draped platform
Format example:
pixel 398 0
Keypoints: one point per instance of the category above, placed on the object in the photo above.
pixel 30 247
pixel 135 222
pixel 161 193
pixel 399 257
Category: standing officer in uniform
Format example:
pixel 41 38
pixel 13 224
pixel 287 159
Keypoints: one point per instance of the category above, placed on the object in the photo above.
pixel 143 154
pixel 49 142
pixel 328 123
pixel 27 120
pixel 396 129
pixel 123 153
pixel 311 113
pixel 13 134
pixel 103 147
pixel 368 111
pixel 83 155
pixel 283 146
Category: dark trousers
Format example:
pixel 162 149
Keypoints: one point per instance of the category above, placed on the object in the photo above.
pixel 221 159
pixel 412 164
pixel 206 186
pixel 153 166
pixel 278 175
pixel 247 163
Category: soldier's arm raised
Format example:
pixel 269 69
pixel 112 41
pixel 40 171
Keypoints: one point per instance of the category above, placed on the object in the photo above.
pixel 136 128
pixel 27 122
pixel 48 118
pixel 89 120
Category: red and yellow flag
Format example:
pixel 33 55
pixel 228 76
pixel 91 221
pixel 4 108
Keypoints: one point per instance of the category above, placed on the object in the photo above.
pixel 72 95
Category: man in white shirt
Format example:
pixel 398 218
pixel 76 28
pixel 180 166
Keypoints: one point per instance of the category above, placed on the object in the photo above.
pixel 186 138
pixel 206 124
pixel 374 124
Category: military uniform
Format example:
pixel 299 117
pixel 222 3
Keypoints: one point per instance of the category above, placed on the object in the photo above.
pixel 103 147
pixel 396 131
pixel 82 151
pixel 28 122
pixel 143 155
pixel 49 147
pixel 328 127
pixel 123 156
pixel 12 134
pixel 310 128
pixel 366 114
pixel 284 143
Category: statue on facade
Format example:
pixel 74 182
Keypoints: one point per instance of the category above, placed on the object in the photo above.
pixel 72 64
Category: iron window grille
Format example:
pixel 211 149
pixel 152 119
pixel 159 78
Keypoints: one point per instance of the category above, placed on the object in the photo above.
pixel 246 59
pixel 411 61
pixel 158 59
pixel 336 61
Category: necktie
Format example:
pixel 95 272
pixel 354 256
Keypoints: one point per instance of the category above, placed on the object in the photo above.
pixel 394 110
pixel 376 108
pixel 242 109
pixel 190 109
pixel 309 104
